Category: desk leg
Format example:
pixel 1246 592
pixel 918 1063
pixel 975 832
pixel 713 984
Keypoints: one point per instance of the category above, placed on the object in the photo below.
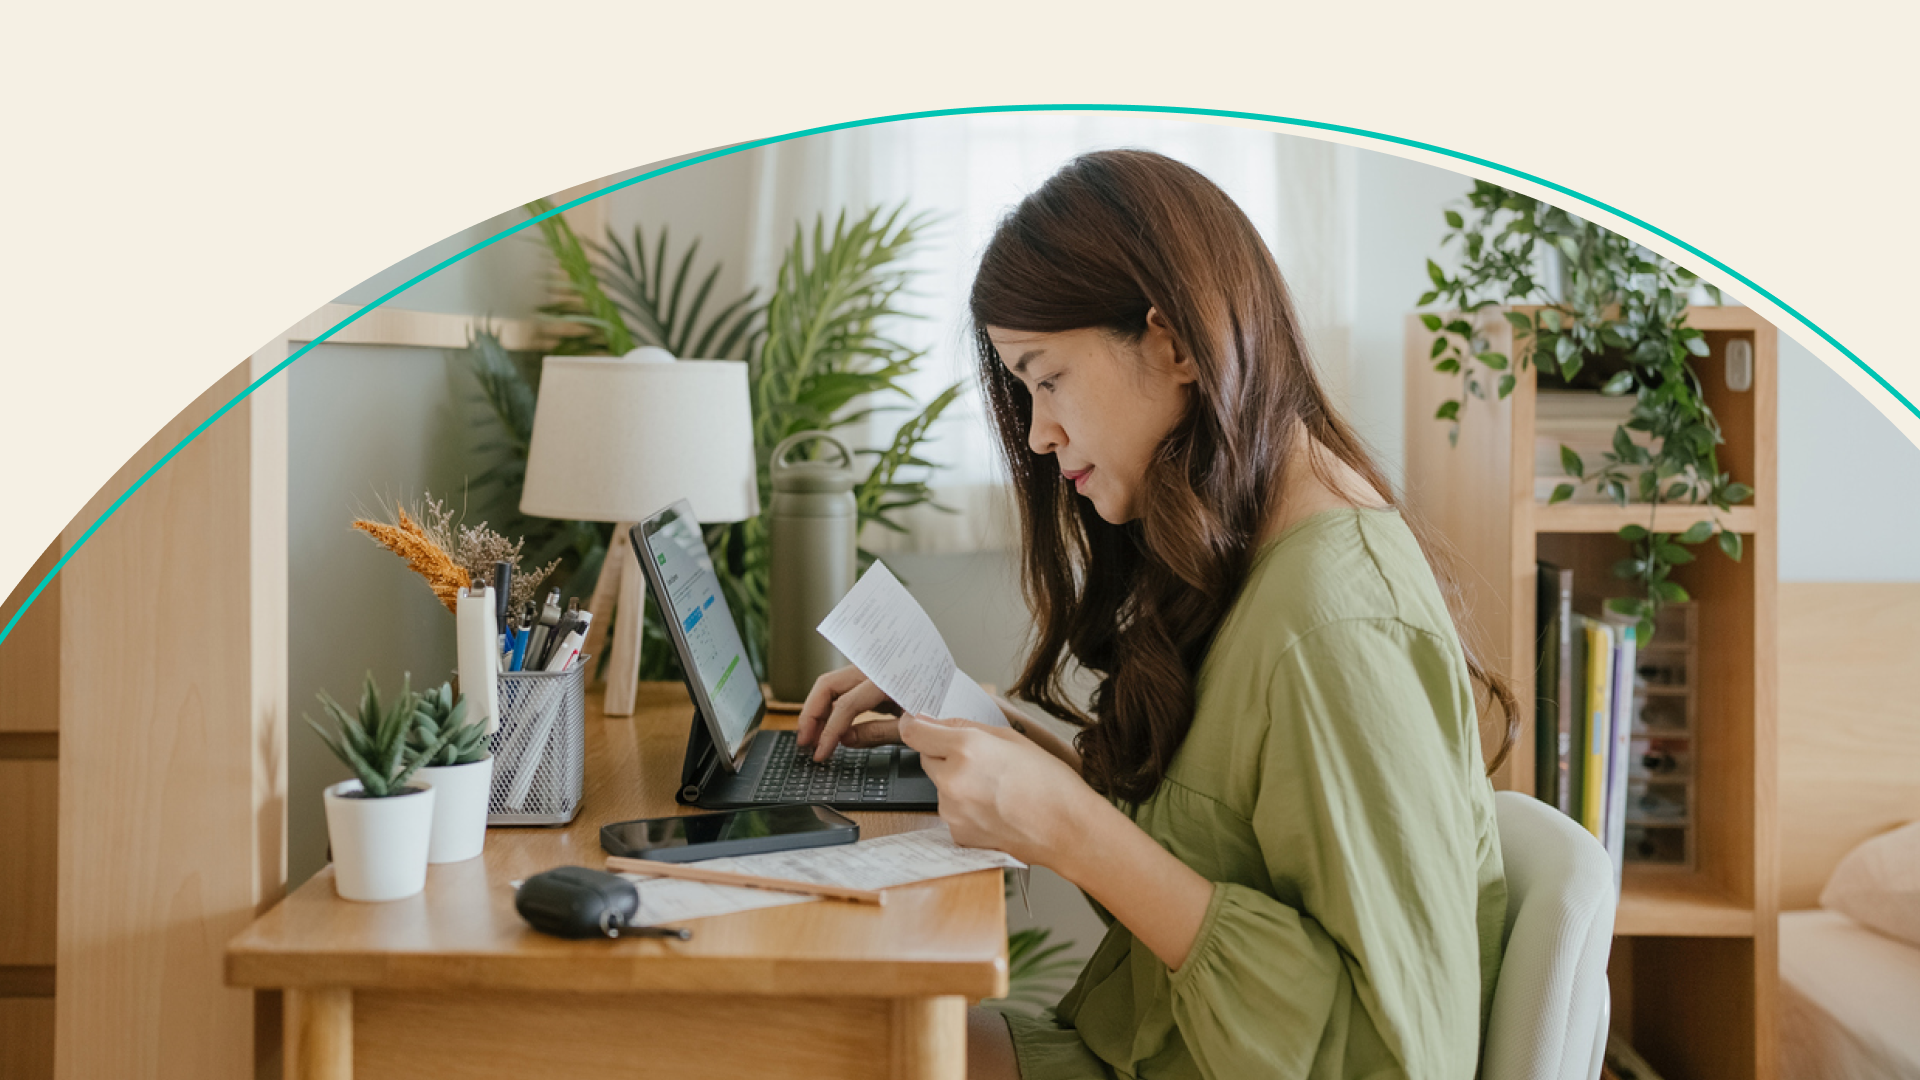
pixel 319 1034
pixel 929 1038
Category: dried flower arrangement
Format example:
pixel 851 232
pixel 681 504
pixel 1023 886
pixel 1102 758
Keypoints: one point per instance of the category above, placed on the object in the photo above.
pixel 451 555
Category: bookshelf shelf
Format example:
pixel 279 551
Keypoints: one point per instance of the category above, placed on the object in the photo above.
pixel 1610 518
pixel 1693 969
pixel 1656 903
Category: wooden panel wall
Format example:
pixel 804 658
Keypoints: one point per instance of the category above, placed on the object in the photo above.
pixel 1849 723
pixel 26 1045
pixel 172 630
pixel 30 659
pixel 28 802
pixel 29 808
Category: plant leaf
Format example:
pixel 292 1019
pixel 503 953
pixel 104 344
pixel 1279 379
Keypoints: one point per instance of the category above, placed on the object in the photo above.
pixel 1669 592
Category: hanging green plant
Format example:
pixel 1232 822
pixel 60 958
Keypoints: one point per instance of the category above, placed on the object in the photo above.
pixel 1616 321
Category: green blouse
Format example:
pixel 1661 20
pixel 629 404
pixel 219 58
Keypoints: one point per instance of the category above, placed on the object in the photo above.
pixel 1332 789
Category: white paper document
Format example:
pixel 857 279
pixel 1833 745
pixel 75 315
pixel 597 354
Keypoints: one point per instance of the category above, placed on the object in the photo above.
pixel 883 631
pixel 900 859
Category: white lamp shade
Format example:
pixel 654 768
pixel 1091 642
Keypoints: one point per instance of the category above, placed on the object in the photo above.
pixel 618 438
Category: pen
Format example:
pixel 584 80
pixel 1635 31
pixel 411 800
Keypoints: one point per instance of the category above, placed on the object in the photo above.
pixel 543 631
pixel 678 933
pixel 564 653
pixel 502 579
pixel 750 881
pixel 569 620
pixel 582 627
pixel 519 649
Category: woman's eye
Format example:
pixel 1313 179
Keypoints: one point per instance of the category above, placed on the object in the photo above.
pixel 1044 384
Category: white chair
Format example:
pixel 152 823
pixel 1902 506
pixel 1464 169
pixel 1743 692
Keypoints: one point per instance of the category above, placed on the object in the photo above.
pixel 1550 1005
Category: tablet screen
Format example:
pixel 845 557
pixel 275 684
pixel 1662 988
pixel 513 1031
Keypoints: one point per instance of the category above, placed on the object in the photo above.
pixel 703 626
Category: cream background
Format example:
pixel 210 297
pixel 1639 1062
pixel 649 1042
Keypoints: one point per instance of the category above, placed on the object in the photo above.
pixel 188 180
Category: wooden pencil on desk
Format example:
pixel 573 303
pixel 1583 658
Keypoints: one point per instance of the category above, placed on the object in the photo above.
pixel 748 881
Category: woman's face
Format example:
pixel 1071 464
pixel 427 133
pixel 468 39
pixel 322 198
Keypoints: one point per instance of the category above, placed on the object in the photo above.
pixel 1101 405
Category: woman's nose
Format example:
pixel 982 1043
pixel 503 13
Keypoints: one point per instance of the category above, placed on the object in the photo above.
pixel 1043 435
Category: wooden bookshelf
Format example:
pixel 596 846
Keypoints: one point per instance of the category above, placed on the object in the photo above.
pixel 1694 964
pixel 1609 519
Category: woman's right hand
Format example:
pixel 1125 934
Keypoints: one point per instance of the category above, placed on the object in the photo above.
pixel 826 719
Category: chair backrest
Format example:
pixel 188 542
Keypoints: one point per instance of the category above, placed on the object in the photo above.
pixel 1551 1004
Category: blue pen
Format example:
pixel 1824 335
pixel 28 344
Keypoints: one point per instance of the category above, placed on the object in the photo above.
pixel 519 648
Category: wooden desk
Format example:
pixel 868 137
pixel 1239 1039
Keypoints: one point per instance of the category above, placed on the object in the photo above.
pixel 453 983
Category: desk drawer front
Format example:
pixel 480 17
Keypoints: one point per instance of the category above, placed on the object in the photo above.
pixel 506 1036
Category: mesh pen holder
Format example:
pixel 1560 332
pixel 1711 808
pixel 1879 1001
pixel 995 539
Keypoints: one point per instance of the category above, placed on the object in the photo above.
pixel 540 748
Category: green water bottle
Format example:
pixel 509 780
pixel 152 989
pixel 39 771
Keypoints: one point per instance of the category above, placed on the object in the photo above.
pixel 812 544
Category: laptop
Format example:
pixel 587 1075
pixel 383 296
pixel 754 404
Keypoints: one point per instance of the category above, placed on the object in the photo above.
pixel 731 761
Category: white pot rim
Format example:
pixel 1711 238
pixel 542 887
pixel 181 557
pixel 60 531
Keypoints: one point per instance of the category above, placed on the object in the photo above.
pixel 341 790
pixel 462 765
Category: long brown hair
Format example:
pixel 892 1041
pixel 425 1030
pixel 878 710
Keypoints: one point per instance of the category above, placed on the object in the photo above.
pixel 1108 237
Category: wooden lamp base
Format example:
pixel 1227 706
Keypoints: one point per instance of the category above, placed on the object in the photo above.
pixel 618 590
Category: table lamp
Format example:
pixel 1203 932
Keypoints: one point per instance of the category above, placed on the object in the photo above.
pixel 618 438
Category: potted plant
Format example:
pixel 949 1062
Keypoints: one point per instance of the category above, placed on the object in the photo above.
pixel 460 772
pixel 1615 322
pixel 379 823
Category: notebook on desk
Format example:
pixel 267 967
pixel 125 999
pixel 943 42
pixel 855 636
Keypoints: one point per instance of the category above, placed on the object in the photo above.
pixel 731 761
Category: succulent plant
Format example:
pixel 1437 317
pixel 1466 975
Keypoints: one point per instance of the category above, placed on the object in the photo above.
pixel 439 720
pixel 374 741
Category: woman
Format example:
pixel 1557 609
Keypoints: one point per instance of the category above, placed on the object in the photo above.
pixel 1277 798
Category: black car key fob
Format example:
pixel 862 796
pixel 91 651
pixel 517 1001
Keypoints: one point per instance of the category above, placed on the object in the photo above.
pixel 576 902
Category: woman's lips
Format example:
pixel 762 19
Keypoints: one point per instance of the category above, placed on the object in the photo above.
pixel 1078 478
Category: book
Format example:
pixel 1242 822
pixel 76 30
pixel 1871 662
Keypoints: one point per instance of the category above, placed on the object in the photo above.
pixel 1597 727
pixel 1583 421
pixel 1553 724
pixel 1625 660
pixel 1573 691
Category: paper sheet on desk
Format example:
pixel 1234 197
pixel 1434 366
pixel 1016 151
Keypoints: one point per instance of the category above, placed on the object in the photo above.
pixel 883 631
pixel 900 859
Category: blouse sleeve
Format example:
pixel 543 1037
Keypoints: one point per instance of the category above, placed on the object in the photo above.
pixel 1365 957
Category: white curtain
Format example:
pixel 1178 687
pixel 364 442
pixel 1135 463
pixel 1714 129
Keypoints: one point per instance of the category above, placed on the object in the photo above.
pixel 971 170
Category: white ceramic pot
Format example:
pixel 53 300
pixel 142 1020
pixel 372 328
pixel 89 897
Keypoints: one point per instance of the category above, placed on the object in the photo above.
pixel 379 845
pixel 459 809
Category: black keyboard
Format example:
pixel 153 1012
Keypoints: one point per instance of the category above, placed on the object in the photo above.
pixel 849 775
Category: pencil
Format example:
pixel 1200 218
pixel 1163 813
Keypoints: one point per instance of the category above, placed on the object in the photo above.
pixel 749 881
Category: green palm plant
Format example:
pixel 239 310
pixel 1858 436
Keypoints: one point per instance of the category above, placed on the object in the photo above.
pixel 620 297
pixel 816 352
pixel 821 353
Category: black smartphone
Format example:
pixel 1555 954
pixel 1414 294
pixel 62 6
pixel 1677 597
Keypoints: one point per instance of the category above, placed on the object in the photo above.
pixel 730 832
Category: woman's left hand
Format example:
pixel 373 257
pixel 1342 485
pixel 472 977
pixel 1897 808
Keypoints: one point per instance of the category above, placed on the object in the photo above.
pixel 997 788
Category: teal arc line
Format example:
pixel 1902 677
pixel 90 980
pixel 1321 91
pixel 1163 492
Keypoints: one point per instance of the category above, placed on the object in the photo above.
pixel 1311 125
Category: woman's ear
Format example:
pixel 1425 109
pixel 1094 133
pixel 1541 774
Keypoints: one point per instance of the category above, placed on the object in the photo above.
pixel 1162 348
